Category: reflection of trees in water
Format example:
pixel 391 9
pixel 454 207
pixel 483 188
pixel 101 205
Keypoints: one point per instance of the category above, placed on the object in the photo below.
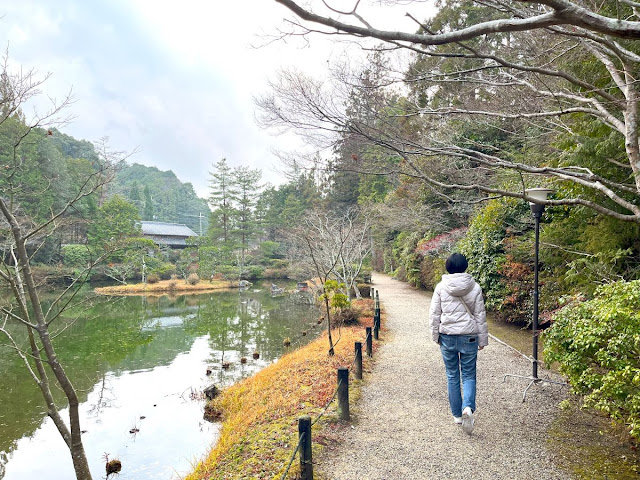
pixel 249 306
pixel 301 298
pixel 105 397
pixel 100 337
pixel 239 323
pixel 3 461
pixel 110 338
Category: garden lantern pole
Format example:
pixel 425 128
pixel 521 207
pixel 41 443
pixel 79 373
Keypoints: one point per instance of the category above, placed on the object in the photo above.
pixel 536 210
pixel 539 196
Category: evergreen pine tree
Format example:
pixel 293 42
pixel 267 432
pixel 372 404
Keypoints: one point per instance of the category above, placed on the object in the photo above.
pixel 246 193
pixel 221 201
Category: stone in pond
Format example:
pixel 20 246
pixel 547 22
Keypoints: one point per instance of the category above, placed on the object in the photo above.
pixel 211 391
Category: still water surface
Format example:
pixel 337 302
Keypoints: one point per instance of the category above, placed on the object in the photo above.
pixel 138 363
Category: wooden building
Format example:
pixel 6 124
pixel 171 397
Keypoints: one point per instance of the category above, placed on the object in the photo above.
pixel 172 235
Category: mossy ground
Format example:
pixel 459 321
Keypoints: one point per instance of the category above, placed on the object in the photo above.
pixel 591 447
pixel 260 414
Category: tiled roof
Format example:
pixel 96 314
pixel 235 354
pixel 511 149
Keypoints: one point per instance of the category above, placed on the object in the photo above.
pixel 170 229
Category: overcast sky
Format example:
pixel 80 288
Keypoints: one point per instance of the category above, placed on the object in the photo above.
pixel 174 79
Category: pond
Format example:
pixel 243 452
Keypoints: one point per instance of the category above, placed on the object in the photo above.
pixel 139 365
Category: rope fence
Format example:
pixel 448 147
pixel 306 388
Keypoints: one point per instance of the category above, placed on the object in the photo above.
pixel 341 391
pixel 324 410
pixel 293 457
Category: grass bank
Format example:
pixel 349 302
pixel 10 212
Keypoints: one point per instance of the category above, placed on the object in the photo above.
pixel 165 287
pixel 260 414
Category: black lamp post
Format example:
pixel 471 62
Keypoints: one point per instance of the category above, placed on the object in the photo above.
pixel 539 196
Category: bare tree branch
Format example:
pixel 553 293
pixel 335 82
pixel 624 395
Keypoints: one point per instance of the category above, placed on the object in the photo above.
pixel 562 12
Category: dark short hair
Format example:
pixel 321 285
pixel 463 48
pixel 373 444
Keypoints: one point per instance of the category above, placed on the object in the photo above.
pixel 456 263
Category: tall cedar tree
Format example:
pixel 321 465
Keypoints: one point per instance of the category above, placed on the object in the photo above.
pixel 246 193
pixel 221 198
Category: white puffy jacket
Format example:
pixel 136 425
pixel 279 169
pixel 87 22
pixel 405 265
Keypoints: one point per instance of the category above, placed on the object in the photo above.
pixel 449 316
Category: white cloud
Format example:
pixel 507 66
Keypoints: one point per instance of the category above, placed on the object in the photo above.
pixel 175 79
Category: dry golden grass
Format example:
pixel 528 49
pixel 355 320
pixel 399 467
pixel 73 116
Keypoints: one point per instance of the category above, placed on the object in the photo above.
pixel 164 287
pixel 260 414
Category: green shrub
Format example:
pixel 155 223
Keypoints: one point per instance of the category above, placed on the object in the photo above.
pixel 597 345
pixel 193 279
pixel 593 250
pixel 228 271
pixel 278 263
pixel 75 255
pixel 483 248
pixel 254 272
pixel 163 270
pixel 153 278
pixel 431 270
pixel 405 257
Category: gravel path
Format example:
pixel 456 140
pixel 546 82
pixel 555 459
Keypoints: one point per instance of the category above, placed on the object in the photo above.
pixel 402 427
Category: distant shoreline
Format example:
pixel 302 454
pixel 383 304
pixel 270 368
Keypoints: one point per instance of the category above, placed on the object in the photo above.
pixel 164 287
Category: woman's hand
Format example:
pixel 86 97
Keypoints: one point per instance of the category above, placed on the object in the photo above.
pixel 480 348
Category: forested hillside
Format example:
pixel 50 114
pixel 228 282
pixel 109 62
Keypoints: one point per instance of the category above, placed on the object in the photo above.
pixel 41 172
pixel 161 196
pixel 158 195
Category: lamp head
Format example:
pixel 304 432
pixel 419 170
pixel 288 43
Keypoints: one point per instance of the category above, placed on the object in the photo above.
pixel 539 195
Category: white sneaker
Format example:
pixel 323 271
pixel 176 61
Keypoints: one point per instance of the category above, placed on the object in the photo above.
pixel 457 420
pixel 467 420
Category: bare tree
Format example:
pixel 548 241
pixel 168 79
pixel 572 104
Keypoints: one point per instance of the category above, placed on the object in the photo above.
pixel 351 238
pixel 332 246
pixel 22 235
pixel 546 64
pixel 310 250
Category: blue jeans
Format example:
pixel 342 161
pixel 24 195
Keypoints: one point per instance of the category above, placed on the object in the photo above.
pixel 459 353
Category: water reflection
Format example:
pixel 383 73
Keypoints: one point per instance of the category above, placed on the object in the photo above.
pixel 137 363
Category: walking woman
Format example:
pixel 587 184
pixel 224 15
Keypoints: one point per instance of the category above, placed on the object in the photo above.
pixel 458 323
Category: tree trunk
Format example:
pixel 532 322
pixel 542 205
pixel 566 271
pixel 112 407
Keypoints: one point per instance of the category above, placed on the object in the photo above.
pixel 76 447
pixel 357 290
pixel 74 441
pixel 326 304
pixel 631 135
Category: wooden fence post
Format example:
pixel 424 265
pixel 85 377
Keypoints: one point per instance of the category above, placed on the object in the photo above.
pixel 376 324
pixel 306 465
pixel 343 394
pixel 358 348
pixel 369 342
